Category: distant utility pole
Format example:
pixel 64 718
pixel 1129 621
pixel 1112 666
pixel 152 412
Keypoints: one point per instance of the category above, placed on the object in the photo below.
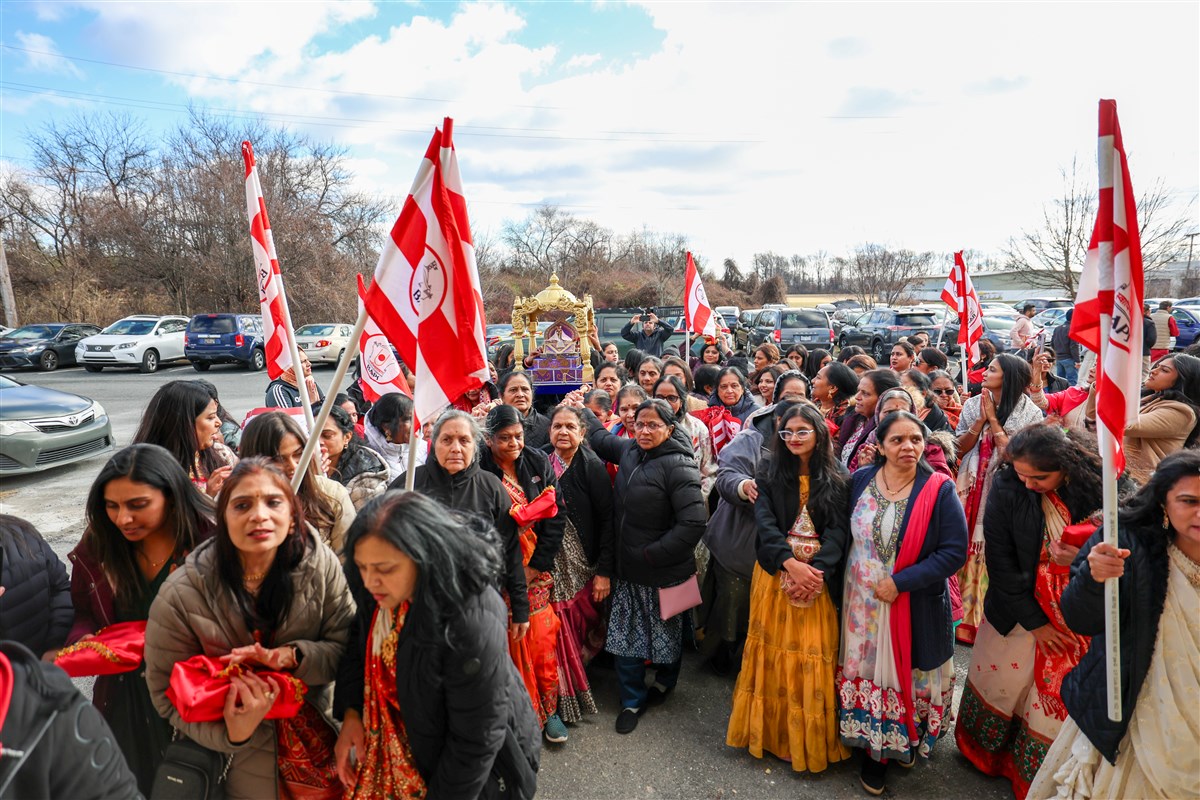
pixel 7 297
pixel 1187 275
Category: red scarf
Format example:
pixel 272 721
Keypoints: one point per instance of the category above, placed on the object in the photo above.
pixel 900 622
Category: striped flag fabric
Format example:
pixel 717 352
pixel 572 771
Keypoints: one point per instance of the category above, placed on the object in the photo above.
pixel 1108 309
pixel 696 308
pixel 379 371
pixel 276 318
pixel 425 296
pixel 959 293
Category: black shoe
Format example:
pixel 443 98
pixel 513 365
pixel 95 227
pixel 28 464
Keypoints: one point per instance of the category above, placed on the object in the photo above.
pixel 656 696
pixel 872 775
pixel 627 720
pixel 722 662
pixel 910 763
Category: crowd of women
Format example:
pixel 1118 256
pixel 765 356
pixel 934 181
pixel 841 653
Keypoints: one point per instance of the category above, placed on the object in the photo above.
pixel 823 528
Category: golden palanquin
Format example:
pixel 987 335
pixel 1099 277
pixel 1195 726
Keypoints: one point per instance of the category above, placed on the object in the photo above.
pixel 564 361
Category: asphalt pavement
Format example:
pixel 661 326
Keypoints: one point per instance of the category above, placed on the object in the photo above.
pixel 678 749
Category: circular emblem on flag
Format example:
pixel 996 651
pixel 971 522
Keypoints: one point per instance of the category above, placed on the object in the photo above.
pixel 378 362
pixel 427 287
pixel 699 294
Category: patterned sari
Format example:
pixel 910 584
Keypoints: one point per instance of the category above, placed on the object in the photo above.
pixel 534 654
pixel 386 768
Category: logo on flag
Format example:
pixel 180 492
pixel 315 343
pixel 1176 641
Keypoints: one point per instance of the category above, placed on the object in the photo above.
pixel 1108 310
pixel 697 310
pixel 379 371
pixel 425 297
pixel 959 294
pixel 276 318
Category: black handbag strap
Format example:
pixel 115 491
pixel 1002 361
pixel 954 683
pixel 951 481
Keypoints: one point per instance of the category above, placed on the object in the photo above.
pixel 6 775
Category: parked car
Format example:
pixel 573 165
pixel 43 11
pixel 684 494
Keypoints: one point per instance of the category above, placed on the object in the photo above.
pixel 496 335
pixel 42 428
pixel 1188 320
pixel 999 310
pixel 741 331
pixel 46 347
pixel 141 341
pixel 225 339
pixel 807 326
pixel 729 315
pixel 1049 319
pixel 995 330
pixel 610 321
pixel 324 342
pixel 880 328
pixel 1154 302
pixel 1040 304
pixel 1187 301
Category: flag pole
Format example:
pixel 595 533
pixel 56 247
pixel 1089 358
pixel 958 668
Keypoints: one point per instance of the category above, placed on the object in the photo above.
pixel 316 426
pixel 411 473
pixel 1112 604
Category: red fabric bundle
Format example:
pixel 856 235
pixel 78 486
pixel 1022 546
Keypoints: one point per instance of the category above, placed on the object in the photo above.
pixel 544 506
pixel 199 685
pixel 113 650
pixel 1076 536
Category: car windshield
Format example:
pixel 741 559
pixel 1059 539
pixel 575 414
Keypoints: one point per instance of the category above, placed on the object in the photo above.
pixel 8 383
pixel 131 327
pixel 35 332
pixel 498 330
pixel 315 330
pixel 999 323
pixel 213 325
pixel 803 319
pixel 913 320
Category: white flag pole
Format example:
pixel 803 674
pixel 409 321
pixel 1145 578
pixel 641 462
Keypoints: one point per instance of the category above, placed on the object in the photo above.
pixel 339 374
pixel 1112 601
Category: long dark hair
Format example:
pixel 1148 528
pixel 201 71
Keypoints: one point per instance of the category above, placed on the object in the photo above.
pixel 676 361
pixel 827 485
pixel 190 514
pixel 1143 512
pixel 1186 389
pixel 881 380
pixel 457 555
pixel 844 379
pixel 265 611
pixel 390 412
pixel 1016 377
pixel 1051 448
pixel 170 421
pixel 211 388
pixel 633 360
pixel 812 362
pixel 262 437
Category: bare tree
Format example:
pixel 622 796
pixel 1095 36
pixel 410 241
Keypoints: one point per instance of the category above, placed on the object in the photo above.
pixel 880 276
pixel 731 278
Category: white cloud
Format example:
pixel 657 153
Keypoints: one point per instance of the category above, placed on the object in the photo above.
pixel 42 55
pixel 582 60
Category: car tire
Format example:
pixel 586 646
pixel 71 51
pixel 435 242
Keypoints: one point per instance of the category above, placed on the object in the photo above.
pixel 149 362
pixel 877 351
pixel 257 361
pixel 48 361
pixel 93 367
pixel 841 342
pixel 341 355
pixel 201 366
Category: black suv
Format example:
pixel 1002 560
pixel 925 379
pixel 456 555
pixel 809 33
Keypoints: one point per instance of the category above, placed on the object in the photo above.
pixel 879 329
pixel 225 339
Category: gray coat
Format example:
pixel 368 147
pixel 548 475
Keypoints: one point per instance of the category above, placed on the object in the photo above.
pixel 731 535
pixel 194 614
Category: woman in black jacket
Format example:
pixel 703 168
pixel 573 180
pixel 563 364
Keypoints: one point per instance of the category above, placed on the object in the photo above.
pixel 660 517
pixel 454 479
pixel 35 607
pixel 525 475
pixel 785 702
pixel 583 568
pixel 516 390
pixel 1011 709
pixel 429 699
pixel 1151 752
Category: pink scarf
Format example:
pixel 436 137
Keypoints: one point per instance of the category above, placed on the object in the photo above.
pixel 900 623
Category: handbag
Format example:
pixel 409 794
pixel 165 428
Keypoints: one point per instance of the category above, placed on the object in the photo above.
pixel 190 771
pixel 676 599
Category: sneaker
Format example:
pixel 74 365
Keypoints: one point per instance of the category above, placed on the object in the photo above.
pixel 627 720
pixel 554 729
pixel 872 775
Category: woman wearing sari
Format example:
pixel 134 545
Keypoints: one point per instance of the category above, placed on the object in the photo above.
pixel 525 475
pixel 859 423
pixel 1152 752
pixel 1011 709
pixel 430 702
pixel 896 675
pixel 987 421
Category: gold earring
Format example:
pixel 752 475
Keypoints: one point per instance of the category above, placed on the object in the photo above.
pixel 1166 519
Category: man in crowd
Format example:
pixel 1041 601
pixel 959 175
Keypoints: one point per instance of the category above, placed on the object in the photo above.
pixel 1165 329
pixel 1022 332
pixel 650 337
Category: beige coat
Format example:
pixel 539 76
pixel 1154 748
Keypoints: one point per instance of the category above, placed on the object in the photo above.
pixel 343 512
pixel 195 614
pixel 1162 428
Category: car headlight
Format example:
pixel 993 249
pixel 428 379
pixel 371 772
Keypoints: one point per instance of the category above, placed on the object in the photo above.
pixel 14 427
pixel 98 409
pixel 125 346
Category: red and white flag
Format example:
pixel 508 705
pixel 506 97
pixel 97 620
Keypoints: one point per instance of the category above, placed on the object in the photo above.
pixel 1108 310
pixel 379 371
pixel 425 296
pixel 276 318
pixel 696 310
pixel 959 294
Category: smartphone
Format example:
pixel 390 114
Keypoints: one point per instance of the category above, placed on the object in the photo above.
pixel 645 317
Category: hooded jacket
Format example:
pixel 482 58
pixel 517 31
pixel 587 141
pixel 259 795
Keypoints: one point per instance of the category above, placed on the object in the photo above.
pixel 535 476
pixel 479 492
pixel 194 614
pixel 363 472
pixel 660 513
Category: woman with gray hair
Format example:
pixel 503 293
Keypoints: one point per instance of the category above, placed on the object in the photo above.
pixel 453 477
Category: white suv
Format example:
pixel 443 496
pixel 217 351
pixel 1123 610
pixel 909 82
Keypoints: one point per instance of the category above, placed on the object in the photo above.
pixel 141 341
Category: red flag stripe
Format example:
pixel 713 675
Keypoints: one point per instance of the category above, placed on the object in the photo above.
pixel 272 301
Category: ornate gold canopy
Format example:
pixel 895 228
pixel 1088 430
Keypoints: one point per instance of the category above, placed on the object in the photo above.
pixel 554 298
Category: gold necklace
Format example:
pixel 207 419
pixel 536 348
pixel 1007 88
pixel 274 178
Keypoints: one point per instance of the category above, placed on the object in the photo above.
pixel 258 576
pixel 889 489
pixel 155 564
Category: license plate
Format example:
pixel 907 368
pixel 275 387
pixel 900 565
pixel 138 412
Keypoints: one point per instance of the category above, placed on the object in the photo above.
pixel 305 345
pixel 805 337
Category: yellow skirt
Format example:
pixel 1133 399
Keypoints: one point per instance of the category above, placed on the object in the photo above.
pixel 784 702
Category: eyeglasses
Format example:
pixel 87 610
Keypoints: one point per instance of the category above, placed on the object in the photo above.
pixel 943 391
pixel 670 398
pixel 787 436
pixel 648 426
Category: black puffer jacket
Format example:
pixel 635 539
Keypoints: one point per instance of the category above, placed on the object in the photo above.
pixel 1013 530
pixel 466 709
pixel 76 757
pixel 35 609
pixel 479 492
pixel 534 475
pixel 660 512
pixel 537 429
pixel 1143 590
pixel 587 495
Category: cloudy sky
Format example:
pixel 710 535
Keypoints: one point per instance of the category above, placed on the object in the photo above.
pixel 793 127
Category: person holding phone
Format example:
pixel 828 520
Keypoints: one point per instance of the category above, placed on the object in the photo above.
pixel 647 333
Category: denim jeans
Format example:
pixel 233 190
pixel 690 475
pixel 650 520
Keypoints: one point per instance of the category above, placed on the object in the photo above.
pixel 631 678
pixel 1066 369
